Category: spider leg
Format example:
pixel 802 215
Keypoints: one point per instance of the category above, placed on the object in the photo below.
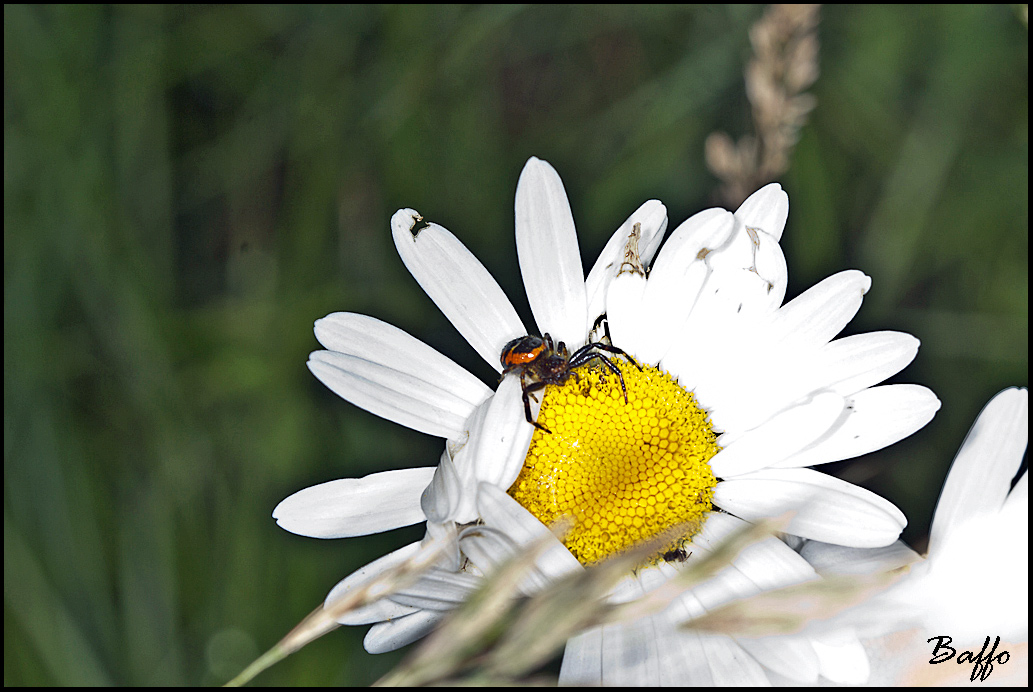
pixel 578 355
pixel 604 321
pixel 561 348
pixel 620 376
pixel 523 394
pixel 506 370
pixel 527 389
pixel 614 349
pixel 609 365
pixel 585 354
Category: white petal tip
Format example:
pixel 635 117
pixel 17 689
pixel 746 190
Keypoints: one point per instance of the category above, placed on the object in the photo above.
pixel 766 209
pixel 315 357
pixel 772 194
pixel 405 220
pixel 289 523
pixel 323 325
pixel 537 166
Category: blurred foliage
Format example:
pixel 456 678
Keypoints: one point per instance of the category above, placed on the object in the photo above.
pixel 187 188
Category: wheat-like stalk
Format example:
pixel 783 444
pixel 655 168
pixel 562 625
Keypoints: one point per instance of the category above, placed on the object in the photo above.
pixel 785 64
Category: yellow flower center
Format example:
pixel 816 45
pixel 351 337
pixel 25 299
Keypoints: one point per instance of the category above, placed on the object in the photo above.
pixel 624 472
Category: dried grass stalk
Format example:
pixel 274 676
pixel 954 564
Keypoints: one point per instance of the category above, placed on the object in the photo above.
pixel 785 64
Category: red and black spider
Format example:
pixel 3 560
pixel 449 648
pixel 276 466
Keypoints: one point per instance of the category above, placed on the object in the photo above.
pixel 542 362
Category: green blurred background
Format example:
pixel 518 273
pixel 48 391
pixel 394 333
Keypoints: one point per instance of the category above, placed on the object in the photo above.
pixel 187 188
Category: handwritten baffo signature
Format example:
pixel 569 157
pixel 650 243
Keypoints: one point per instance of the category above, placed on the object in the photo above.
pixel 982 663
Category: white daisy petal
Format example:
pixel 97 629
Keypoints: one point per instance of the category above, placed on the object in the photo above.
pixel 458 284
pixel 827 509
pixel 550 260
pixel 438 590
pixel 486 548
pixel 828 558
pixel 842 657
pixel 709 336
pixel 1003 540
pixel 379 342
pixel 462 507
pixel 698 235
pixel 771 267
pixel 1020 493
pixel 630 655
pixel 394 634
pixel 729 585
pixel 819 313
pixel 780 437
pixel 356 506
pixel 441 499
pixel 740 292
pixel 754 254
pixel 766 209
pixel 686 649
pixel 727 328
pixel 981 474
pixel 444 536
pixel 677 277
pixel 682 662
pixel 630 652
pixel 853 363
pixel 844 366
pixel 501 511
pixel 500 443
pixel 792 657
pixel 652 220
pixel 730 665
pixel 378 611
pixel 771 564
pixel 768 564
pixel 495 449
pixel 700 668
pixel 392 394
pixel 624 309
pixel 583 660
pixel 750 276
pixel 877 417
pixel 628 589
pixel 489 549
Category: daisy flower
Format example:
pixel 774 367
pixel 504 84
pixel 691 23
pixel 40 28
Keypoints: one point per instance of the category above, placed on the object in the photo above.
pixel 695 398
pixel 978 544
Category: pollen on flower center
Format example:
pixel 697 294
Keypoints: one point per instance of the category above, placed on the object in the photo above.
pixel 624 472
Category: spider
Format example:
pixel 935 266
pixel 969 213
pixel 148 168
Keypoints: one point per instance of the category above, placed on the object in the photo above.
pixel 542 362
